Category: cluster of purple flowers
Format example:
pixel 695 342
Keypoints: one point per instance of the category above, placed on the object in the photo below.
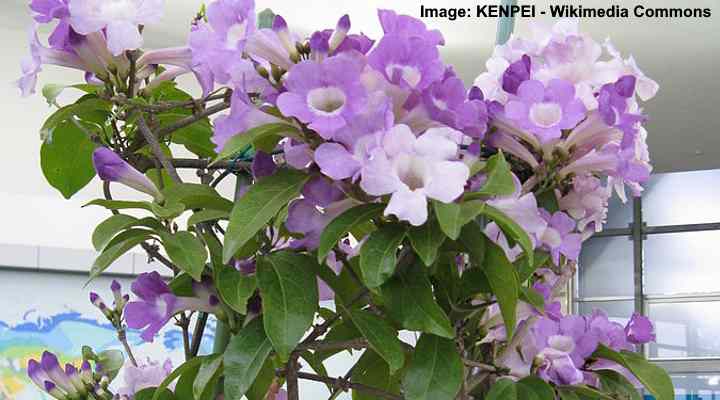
pixel 66 383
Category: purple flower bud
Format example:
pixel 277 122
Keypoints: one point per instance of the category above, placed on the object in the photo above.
pixel 115 286
pixel 476 93
pixel 263 165
pixel 110 167
pixel 51 366
pixel 36 373
pixel 517 73
pixel 49 386
pixel 279 24
pixel 341 31
pixel 94 298
pixel 639 330
pixel 86 372
pixel 116 289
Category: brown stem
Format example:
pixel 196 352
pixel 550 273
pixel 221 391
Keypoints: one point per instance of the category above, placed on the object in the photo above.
pixel 122 337
pixel 479 365
pixel 198 333
pixel 292 375
pixel 345 385
pixel 340 345
pixel 184 324
pixel 205 164
pixel 320 330
pixel 152 140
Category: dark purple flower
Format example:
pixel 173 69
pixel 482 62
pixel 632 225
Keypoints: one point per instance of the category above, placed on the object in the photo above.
pixel 443 100
pixel 325 95
pixel 517 73
pixel 157 304
pixel 410 62
pixel 110 167
pixel 322 192
pixel 640 330
pixel 409 27
pixel 263 165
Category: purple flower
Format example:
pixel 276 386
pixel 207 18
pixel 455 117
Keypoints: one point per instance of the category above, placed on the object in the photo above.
pixel 220 42
pixel 307 218
pixel 45 12
pixel 243 117
pixel 640 330
pixel 331 42
pixel 556 365
pixel 443 99
pixel 517 73
pixel 412 169
pixel 502 141
pixel 523 209
pixel 263 165
pixel 409 27
pixel 409 62
pixel 586 202
pixel 157 304
pixel 49 376
pixel 558 236
pixel 119 20
pixel 275 46
pixel 545 110
pixel 149 374
pixel 110 167
pixel 325 95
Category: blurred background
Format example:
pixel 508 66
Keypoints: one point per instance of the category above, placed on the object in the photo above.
pixel 658 257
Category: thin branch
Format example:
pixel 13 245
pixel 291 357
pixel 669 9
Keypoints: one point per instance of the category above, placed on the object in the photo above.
pixel 198 333
pixel 184 324
pixel 154 254
pixel 192 163
pixel 320 330
pixel 345 385
pixel 336 391
pixel 166 105
pixel 480 366
pixel 157 150
pixel 339 345
pixel 292 375
pixel 122 337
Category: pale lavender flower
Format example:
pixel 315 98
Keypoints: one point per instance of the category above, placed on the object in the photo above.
pixel 587 203
pixel 523 209
pixel 146 375
pixel 243 116
pixel 559 237
pixel 48 10
pixel 120 19
pixel 413 169
pixel 410 62
pixel 545 110
pixel 110 167
pixel 157 304
pixel 409 27
pixel 325 95
pixel 298 155
pixel 275 46
pixel 220 42
pixel 639 330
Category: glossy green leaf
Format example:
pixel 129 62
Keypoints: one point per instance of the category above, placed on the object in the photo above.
pixel 258 206
pixel 186 251
pixel 111 361
pixel 532 297
pixel 244 358
pixel 503 281
pixel 654 378
pixel 499 179
pixel 512 229
pixel 426 240
pixel 195 137
pixel 241 141
pixel 614 383
pixel 535 388
pixel 378 256
pixel 207 373
pixel 85 107
pixel 66 159
pixel 453 216
pixel 207 216
pixel 526 269
pixel 149 393
pixel 234 287
pixel 381 337
pixel 503 389
pixel 120 204
pixel 120 245
pixel 435 371
pixel 371 370
pixel 110 227
pixel 52 91
pixel 409 300
pixel 344 223
pixel 195 196
pixel 290 298
pixel 188 365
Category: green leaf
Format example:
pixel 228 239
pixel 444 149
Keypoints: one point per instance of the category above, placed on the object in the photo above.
pixel 512 229
pixel 111 361
pixel 532 297
pixel 453 216
pixel 85 107
pixel 290 298
pixel 535 387
pixel 381 337
pixel 344 223
pixel 110 227
pixel 503 281
pixel 51 91
pixel 582 392
pixel 195 137
pixel 473 239
pixel 149 393
pixel 194 195
pixel 435 371
pixel 503 389
pixel 207 216
pixel 234 287
pixel 244 358
pixel 120 204
pixel 654 378
pixel 499 179
pixel 241 141
pixel 186 366
pixel 371 370
pixel 66 160
pixel 265 18
pixel 614 383
pixel 186 251
pixel 258 206
pixel 378 256
pixel 120 245
pixel 409 300
pixel 209 369
pixel 426 240
pixel 526 269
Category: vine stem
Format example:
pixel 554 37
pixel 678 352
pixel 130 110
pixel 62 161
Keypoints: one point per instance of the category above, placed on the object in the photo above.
pixel 345 385
pixel 122 337
pixel 152 140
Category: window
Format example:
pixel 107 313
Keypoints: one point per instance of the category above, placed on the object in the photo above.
pixel 660 256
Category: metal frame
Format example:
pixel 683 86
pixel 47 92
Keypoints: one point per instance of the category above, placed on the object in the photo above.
pixel 637 232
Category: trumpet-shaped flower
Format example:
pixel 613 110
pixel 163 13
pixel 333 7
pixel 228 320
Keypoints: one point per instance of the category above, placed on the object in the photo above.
pixel 410 62
pixel 120 19
pixel 558 236
pixel 407 26
pixel 414 169
pixel 157 304
pixel 325 95
pixel 146 375
pixel 110 167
